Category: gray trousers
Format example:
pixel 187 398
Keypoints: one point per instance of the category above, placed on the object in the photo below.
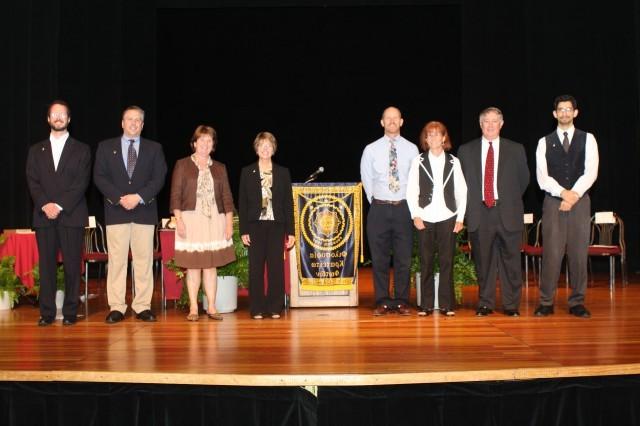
pixel 565 232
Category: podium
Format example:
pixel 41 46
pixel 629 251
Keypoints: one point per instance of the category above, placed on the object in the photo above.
pixel 328 227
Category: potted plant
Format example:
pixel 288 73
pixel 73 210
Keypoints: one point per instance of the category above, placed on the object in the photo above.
pixel 59 284
pixel 464 272
pixel 233 275
pixel 10 285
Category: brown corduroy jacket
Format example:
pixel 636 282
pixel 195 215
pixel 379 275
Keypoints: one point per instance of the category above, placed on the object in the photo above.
pixel 184 183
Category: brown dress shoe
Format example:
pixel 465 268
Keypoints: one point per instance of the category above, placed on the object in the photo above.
pixel 403 309
pixel 380 310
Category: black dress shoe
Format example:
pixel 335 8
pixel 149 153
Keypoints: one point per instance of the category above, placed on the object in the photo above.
pixel 580 311
pixel 543 310
pixel 424 312
pixel 483 311
pixel 146 316
pixel 403 309
pixel 114 317
pixel 69 321
pixel 511 312
pixel 43 322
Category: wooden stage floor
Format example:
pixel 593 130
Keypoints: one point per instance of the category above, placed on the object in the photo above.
pixel 331 346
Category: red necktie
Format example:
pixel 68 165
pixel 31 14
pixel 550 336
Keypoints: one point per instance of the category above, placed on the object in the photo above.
pixel 489 197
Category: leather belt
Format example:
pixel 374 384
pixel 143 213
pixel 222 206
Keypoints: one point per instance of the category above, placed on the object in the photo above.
pixel 388 202
pixel 495 203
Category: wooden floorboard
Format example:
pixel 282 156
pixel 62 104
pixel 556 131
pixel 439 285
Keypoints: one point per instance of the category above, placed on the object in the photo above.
pixel 331 346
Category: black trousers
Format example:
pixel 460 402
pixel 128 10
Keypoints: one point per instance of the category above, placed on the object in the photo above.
pixel 266 249
pixel 437 237
pixel 390 230
pixel 495 249
pixel 69 241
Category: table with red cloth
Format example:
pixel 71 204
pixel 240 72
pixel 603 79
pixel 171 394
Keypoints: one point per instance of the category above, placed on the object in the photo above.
pixel 172 287
pixel 23 246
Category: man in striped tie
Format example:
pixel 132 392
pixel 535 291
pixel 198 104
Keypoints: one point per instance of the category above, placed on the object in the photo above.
pixel 130 171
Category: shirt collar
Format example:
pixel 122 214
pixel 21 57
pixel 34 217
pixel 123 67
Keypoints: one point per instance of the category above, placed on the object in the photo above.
pixel 569 131
pixel 125 139
pixel 494 142
pixel 61 139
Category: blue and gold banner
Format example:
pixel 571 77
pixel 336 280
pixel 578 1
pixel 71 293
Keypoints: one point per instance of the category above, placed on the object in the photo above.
pixel 329 234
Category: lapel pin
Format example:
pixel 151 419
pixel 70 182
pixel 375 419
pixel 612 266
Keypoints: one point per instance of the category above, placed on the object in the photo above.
pixel 115 152
pixel 43 148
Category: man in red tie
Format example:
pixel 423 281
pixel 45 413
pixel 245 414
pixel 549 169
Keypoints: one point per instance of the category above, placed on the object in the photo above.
pixel 497 175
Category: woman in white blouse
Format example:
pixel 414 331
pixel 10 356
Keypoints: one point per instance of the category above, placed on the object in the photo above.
pixel 437 199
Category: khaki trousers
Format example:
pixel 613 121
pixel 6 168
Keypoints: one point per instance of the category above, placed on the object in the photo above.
pixel 139 238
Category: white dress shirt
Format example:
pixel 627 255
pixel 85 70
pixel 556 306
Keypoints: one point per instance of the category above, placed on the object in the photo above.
pixel 57 145
pixel 584 182
pixel 496 156
pixel 437 210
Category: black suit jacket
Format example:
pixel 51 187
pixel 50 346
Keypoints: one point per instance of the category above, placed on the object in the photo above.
pixel 111 177
pixel 513 179
pixel 250 199
pixel 65 186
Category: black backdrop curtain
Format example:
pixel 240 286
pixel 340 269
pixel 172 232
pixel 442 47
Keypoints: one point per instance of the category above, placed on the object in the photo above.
pixel 601 401
pixel 295 70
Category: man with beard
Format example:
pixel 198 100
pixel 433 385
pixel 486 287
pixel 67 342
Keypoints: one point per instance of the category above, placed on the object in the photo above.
pixel 566 167
pixel 58 171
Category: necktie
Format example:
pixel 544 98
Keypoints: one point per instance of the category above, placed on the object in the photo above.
pixel 489 197
pixel 565 142
pixel 394 179
pixel 132 158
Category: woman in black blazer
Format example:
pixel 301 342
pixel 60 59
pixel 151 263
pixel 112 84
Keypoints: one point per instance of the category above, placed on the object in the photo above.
pixel 266 226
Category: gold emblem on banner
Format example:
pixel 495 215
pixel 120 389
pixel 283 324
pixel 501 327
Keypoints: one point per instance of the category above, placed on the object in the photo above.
pixel 324 219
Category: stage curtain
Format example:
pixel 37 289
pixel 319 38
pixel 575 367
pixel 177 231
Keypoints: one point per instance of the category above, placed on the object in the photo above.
pixel 66 404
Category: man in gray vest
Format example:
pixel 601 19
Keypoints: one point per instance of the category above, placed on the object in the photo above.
pixel 566 167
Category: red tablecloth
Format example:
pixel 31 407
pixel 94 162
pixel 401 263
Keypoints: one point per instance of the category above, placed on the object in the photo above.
pixel 23 246
pixel 172 287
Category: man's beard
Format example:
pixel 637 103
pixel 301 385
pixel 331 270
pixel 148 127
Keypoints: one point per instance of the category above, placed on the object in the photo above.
pixel 59 127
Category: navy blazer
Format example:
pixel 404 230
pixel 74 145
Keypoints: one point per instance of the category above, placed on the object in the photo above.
pixel 513 179
pixel 250 198
pixel 65 186
pixel 111 177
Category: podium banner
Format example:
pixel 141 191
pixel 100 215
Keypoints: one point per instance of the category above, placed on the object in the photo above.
pixel 329 234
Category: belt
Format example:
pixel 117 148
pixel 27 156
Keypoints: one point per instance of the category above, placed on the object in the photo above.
pixel 388 202
pixel 495 203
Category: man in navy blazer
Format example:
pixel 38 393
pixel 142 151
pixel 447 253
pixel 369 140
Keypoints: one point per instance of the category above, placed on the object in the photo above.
pixel 130 172
pixel 58 171
pixel 497 175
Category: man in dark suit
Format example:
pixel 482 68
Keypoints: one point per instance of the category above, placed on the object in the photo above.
pixel 497 175
pixel 130 171
pixel 58 171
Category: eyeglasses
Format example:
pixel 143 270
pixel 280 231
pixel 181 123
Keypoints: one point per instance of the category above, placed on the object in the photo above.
pixel 58 115
pixel 565 109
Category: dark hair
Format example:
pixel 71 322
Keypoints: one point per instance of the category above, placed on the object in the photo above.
pixel 59 102
pixel 439 127
pixel 565 98
pixel 202 130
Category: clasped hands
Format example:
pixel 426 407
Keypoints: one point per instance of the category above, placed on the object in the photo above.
pixel 130 201
pixel 569 198
pixel 51 210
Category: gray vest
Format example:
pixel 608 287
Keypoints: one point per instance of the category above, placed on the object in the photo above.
pixel 426 182
pixel 566 167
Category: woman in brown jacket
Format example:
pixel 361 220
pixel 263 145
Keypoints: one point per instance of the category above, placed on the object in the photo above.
pixel 202 204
